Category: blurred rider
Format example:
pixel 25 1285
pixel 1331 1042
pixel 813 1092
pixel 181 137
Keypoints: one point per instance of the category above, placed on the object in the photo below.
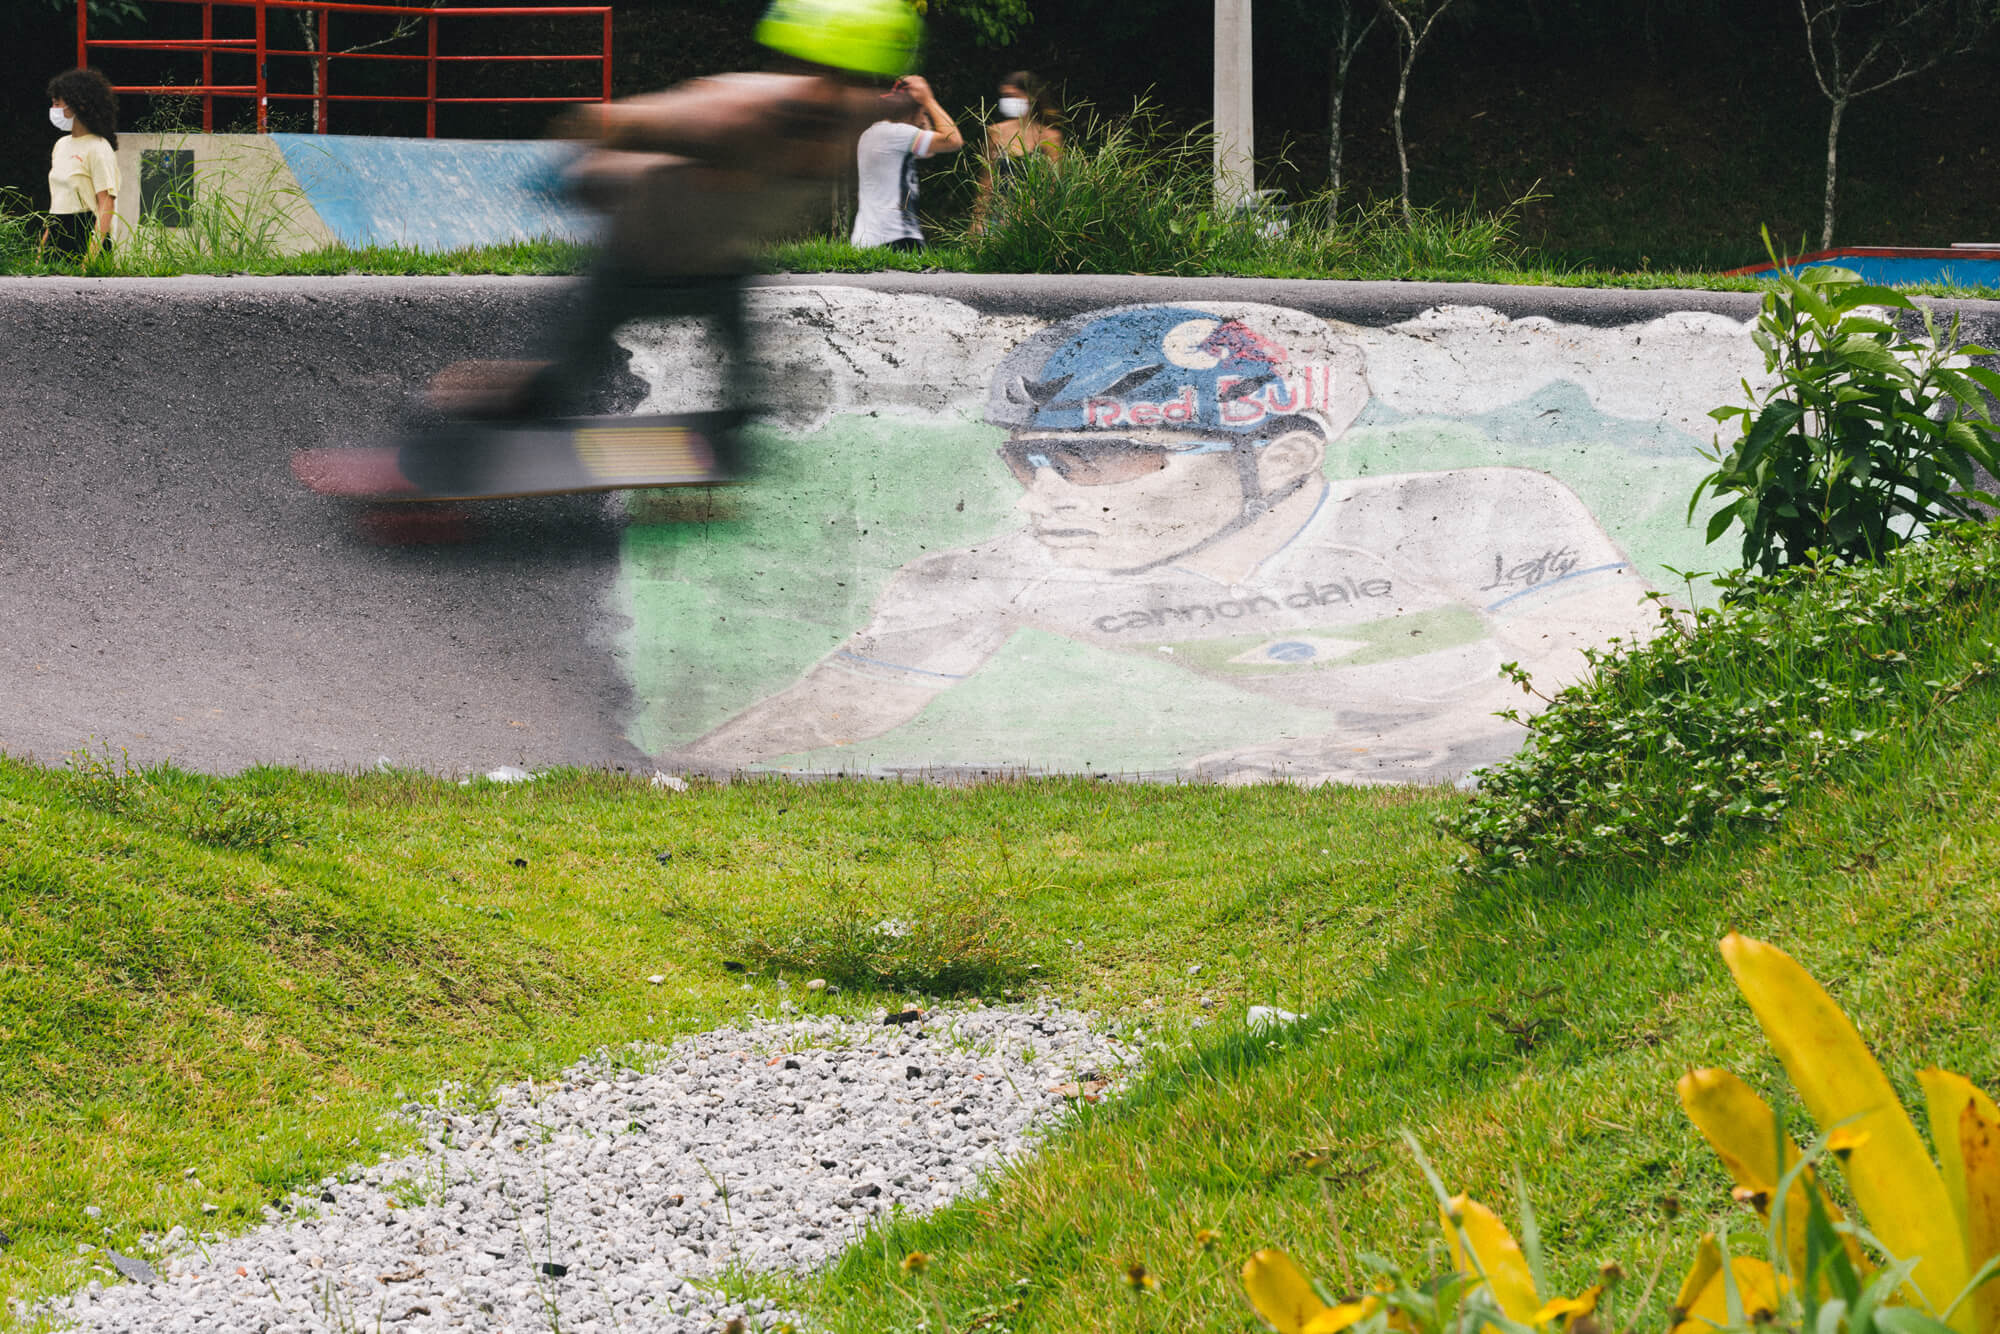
pixel 696 181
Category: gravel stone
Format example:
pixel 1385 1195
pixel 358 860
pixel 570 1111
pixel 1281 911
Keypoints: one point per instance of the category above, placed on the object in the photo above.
pixel 613 1197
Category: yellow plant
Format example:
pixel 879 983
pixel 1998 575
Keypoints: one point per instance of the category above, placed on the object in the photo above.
pixel 1938 1221
pixel 1495 1288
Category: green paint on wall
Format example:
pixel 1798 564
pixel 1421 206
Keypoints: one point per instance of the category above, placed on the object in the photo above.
pixel 732 595
pixel 1048 703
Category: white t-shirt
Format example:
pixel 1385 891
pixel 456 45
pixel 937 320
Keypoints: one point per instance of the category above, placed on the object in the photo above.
pixel 886 206
pixel 80 167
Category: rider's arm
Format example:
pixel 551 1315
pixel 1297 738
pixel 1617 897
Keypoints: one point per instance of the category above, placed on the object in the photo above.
pixel 826 707
pixel 935 625
pixel 743 120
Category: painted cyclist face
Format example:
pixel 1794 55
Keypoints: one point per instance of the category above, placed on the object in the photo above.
pixel 1127 501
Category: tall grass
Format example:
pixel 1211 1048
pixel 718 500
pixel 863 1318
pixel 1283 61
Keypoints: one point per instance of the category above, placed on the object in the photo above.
pixel 1133 194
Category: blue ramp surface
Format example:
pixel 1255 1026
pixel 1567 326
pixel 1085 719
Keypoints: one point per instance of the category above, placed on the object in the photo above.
pixel 1900 266
pixel 434 194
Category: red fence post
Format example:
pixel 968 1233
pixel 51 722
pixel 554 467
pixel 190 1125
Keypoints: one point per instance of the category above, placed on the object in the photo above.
pixel 431 79
pixel 82 33
pixel 207 69
pixel 607 55
pixel 263 102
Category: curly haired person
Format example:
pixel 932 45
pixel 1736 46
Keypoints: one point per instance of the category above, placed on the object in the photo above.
pixel 83 168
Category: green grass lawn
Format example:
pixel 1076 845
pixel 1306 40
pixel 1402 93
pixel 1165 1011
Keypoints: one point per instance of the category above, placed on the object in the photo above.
pixel 170 1002
pixel 832 257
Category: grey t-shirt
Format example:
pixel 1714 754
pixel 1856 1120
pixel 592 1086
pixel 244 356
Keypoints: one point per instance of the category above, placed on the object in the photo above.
pixel 886 205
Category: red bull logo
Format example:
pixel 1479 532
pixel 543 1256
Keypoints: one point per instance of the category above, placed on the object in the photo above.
pixel 1238 401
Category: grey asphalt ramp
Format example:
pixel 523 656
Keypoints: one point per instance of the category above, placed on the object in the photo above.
pixel 167 588
pixel 938 572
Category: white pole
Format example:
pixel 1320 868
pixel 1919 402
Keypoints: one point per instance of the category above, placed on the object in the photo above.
pixel 1234 166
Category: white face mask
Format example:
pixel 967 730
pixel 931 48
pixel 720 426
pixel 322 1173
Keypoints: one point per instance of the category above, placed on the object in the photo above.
pixel 60 121
pixel 1013 108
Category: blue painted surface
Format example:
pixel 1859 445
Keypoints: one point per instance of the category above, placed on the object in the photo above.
pixel 434 194
pixel 1981 269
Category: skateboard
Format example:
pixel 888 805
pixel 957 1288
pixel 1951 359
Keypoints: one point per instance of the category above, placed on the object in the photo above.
pixel 499 460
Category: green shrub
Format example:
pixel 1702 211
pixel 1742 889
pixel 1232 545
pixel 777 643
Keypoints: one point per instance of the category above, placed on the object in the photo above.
pixel 1867 436
pixel 1720 717
pixel 1131 194
pixel 956 938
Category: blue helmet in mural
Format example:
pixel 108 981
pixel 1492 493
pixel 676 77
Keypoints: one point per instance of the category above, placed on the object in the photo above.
pixel 1229 371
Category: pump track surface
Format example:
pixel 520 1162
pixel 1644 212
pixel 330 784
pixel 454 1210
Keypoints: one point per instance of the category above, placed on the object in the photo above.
pixel 168 589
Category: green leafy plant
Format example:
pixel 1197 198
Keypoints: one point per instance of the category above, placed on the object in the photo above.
pixel 1866 436
pixel 1720 717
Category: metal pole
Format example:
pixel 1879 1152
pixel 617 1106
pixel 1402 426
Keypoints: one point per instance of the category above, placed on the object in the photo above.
pixel 319 121
pixel 431 80
pixel 263 102
pixel 207 69
pixel 82 33
pixel 1235 168
pixel 607 55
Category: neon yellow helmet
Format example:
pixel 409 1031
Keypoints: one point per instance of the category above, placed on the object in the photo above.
pixel 866 36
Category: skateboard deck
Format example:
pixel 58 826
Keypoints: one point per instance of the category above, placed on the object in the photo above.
pixel 498 460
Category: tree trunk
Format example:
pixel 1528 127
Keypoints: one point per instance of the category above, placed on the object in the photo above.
pixel 1338 68
pixel 1338 63
pixel 1396 120
pixel 1832 171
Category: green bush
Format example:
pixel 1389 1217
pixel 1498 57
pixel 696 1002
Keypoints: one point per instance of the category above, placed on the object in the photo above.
pixel 1131 194
pixel 1721 716
pixel 956 938
pixel 1866 437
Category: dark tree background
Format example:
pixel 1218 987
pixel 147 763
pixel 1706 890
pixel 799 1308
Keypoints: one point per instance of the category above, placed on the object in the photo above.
pixel 1662 132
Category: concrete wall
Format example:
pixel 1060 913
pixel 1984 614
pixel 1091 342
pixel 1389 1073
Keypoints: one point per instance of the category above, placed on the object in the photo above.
pixel 311 190
pixel 941 567
pixel 245 173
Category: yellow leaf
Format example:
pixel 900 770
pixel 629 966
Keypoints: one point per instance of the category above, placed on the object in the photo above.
pixel 1336 1318
pixel 1569 1308
pixel 1979 1151
pixel 1707 1264
pixel 1708 1309
pixel 1496 1256
pixel 1280 1292
pixel 1946 1096
pixel 1739 1126
pixel 1902 1197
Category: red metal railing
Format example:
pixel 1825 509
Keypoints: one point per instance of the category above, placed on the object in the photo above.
pixel 322 54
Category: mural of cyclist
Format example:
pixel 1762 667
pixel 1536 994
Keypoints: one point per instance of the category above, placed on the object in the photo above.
pixel 1171 464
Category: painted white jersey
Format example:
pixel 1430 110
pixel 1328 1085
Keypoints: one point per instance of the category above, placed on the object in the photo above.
pixel 1386 607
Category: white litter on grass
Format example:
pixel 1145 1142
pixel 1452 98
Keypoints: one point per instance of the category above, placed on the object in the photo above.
pixel 668 781
pixel 506 773
pixel 1267 1016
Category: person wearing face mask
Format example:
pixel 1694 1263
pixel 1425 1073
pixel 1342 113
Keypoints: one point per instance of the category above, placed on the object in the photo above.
pixel 83 169
pixel 1027 125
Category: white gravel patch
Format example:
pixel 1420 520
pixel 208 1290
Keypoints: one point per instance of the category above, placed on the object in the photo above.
pixel 610 1199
